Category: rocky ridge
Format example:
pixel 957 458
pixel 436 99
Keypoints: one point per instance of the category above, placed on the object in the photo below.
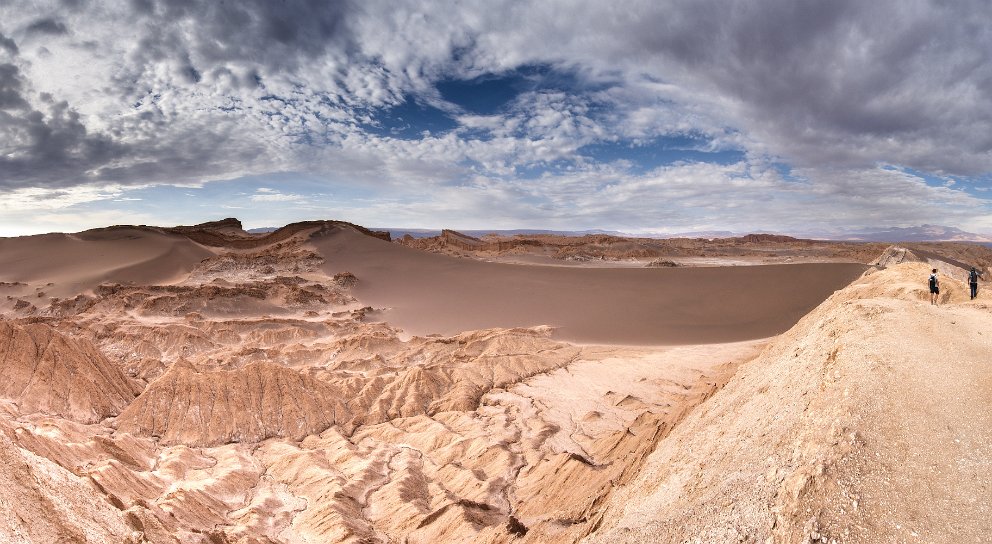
pixel 827 436
pixel 43 370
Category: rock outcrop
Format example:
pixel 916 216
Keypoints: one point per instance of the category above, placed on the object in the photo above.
pixel 896 255
pixel 43 370
pixel 42 502
pixel 249 404
pixel 260 400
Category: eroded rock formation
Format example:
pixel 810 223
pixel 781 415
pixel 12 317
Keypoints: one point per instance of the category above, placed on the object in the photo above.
pixel 42 370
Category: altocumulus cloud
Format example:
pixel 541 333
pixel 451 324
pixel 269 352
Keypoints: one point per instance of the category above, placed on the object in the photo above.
pixel 672 115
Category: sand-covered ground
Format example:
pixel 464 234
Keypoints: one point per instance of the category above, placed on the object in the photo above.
pixel 320 384
pixel 430 293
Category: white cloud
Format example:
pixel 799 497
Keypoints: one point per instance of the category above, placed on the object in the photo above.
pixel 190 93
pixel 35 199
pixel 276 197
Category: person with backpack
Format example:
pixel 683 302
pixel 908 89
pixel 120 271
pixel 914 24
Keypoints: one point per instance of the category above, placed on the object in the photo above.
pixel 973 282
pixel 934 287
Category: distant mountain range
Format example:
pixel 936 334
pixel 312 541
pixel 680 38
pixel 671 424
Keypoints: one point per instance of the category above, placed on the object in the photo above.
pixel 427 233
pixel 709 234
pixel 922 233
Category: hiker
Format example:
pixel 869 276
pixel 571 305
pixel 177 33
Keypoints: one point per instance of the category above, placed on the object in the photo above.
pixel 973 282
pixel 934 287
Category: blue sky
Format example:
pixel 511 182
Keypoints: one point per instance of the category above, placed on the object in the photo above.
pixel 795 116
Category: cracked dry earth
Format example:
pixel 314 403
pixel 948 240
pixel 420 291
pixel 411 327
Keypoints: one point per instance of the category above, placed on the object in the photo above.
pixel 251 398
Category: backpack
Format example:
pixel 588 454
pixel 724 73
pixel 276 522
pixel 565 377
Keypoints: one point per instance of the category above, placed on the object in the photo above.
pixel 933 281
pixel 973 277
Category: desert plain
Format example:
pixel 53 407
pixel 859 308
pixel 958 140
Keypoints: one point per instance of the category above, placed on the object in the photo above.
pixel 325 383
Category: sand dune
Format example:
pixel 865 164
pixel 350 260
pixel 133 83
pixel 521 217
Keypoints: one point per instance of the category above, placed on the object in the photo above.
pixel 277 407
pixel 429 293
pixel 75 263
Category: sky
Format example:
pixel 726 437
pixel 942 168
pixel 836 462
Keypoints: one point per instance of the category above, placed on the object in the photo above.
pixel 649 117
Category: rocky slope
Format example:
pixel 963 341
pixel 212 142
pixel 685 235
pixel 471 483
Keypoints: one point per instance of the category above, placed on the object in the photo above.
pixel 759 248
pixel 43 502
pixel 867 422
pixel 42 370
pixel 248 404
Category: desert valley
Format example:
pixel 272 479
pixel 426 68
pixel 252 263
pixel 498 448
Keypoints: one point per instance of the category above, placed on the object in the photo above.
pixel 322 383
pixel 501 272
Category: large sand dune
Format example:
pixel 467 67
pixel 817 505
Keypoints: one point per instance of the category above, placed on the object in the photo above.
pixel 74 263
pixel 430 293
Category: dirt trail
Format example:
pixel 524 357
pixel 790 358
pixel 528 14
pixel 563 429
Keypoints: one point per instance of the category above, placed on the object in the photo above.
pixel 925 471
pixel 870 421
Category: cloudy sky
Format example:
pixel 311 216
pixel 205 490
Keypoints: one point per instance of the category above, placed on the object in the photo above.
pixel 794 116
